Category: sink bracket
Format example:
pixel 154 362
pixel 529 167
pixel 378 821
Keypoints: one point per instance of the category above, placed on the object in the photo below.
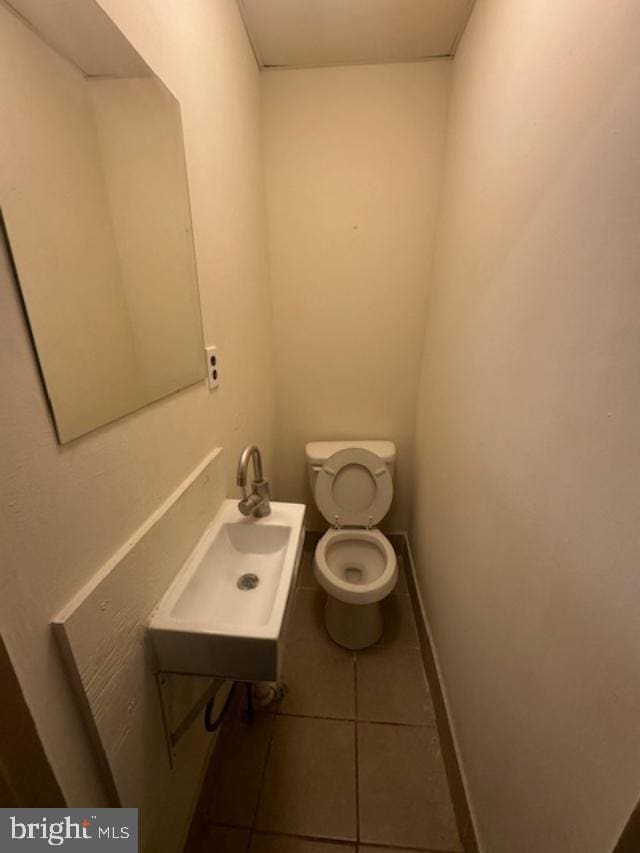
pixel 176 724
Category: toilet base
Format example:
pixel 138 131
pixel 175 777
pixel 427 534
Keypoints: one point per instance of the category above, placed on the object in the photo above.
pixel 353 626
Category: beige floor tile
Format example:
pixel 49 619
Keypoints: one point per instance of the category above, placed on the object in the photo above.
pixel 392 687
pixel 309 784
pixel 307 618
pixel 219 839
pixel 403 794
pixel 399 622
pixel 232 785
pixel 320 680
pixel 306 577
pixel 319 674
pixel 287 844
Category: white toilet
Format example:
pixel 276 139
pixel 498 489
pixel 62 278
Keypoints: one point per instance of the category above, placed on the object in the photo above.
pixel 352 482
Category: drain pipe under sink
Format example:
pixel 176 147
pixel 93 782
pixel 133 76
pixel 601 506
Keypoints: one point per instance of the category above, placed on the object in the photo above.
pixel 261 694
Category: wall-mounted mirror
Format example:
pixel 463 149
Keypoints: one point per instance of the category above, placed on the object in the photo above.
pixel 95 206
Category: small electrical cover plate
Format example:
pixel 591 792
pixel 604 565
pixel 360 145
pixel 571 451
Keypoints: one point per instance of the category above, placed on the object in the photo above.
pixel 213 371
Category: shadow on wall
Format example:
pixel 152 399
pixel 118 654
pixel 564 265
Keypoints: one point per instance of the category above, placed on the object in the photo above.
pixel 26 778
pixel 629 841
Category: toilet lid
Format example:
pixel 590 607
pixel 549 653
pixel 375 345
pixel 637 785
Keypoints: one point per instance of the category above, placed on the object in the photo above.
pixel 354 488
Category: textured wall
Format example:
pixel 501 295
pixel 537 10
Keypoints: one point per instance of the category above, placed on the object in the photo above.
pixel 527 500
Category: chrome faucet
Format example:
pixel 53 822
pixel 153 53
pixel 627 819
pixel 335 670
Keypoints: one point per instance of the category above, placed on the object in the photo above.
pixel 257 502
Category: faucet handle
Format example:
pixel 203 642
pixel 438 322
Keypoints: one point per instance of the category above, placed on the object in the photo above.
pixel 255 502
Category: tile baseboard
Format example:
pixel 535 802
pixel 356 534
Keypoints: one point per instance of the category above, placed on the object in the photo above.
pixel 466 829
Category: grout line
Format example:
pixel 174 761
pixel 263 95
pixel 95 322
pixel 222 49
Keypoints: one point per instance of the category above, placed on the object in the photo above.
pixel 322 839
pixel 356 720
pixel 341 842
pixel 267 756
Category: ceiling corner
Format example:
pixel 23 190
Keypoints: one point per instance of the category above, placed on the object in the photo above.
pixel 254 46
pixel 463 26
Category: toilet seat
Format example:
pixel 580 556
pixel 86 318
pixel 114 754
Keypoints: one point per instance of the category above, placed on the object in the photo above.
pixel 331 558
pixel 354 488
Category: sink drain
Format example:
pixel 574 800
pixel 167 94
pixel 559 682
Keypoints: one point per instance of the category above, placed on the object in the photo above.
pixel 248 581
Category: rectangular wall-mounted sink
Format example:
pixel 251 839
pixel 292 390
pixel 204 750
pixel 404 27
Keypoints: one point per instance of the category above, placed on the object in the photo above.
pixel 225 613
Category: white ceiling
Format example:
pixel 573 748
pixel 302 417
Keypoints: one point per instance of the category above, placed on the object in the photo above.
pixel 294 33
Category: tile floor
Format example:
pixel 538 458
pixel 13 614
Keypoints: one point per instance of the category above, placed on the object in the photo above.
pixel 349 761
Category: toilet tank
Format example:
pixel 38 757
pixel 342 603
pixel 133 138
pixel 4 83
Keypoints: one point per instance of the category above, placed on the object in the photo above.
pixel 317 453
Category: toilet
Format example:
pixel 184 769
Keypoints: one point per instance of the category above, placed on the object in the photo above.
pixel 352 484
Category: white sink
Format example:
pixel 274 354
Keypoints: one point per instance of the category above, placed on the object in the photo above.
pixel 225 613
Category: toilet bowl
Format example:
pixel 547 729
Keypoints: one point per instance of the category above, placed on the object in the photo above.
pixel 356 566
pixel 353 562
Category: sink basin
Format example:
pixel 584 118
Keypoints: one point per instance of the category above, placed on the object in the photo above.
pixel 225 613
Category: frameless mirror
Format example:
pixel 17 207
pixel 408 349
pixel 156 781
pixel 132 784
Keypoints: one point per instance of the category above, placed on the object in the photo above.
pixel 95 205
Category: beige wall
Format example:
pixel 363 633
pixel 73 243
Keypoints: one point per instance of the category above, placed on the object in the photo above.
pixel 527 504
pixel 65 510
pixel 353 164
